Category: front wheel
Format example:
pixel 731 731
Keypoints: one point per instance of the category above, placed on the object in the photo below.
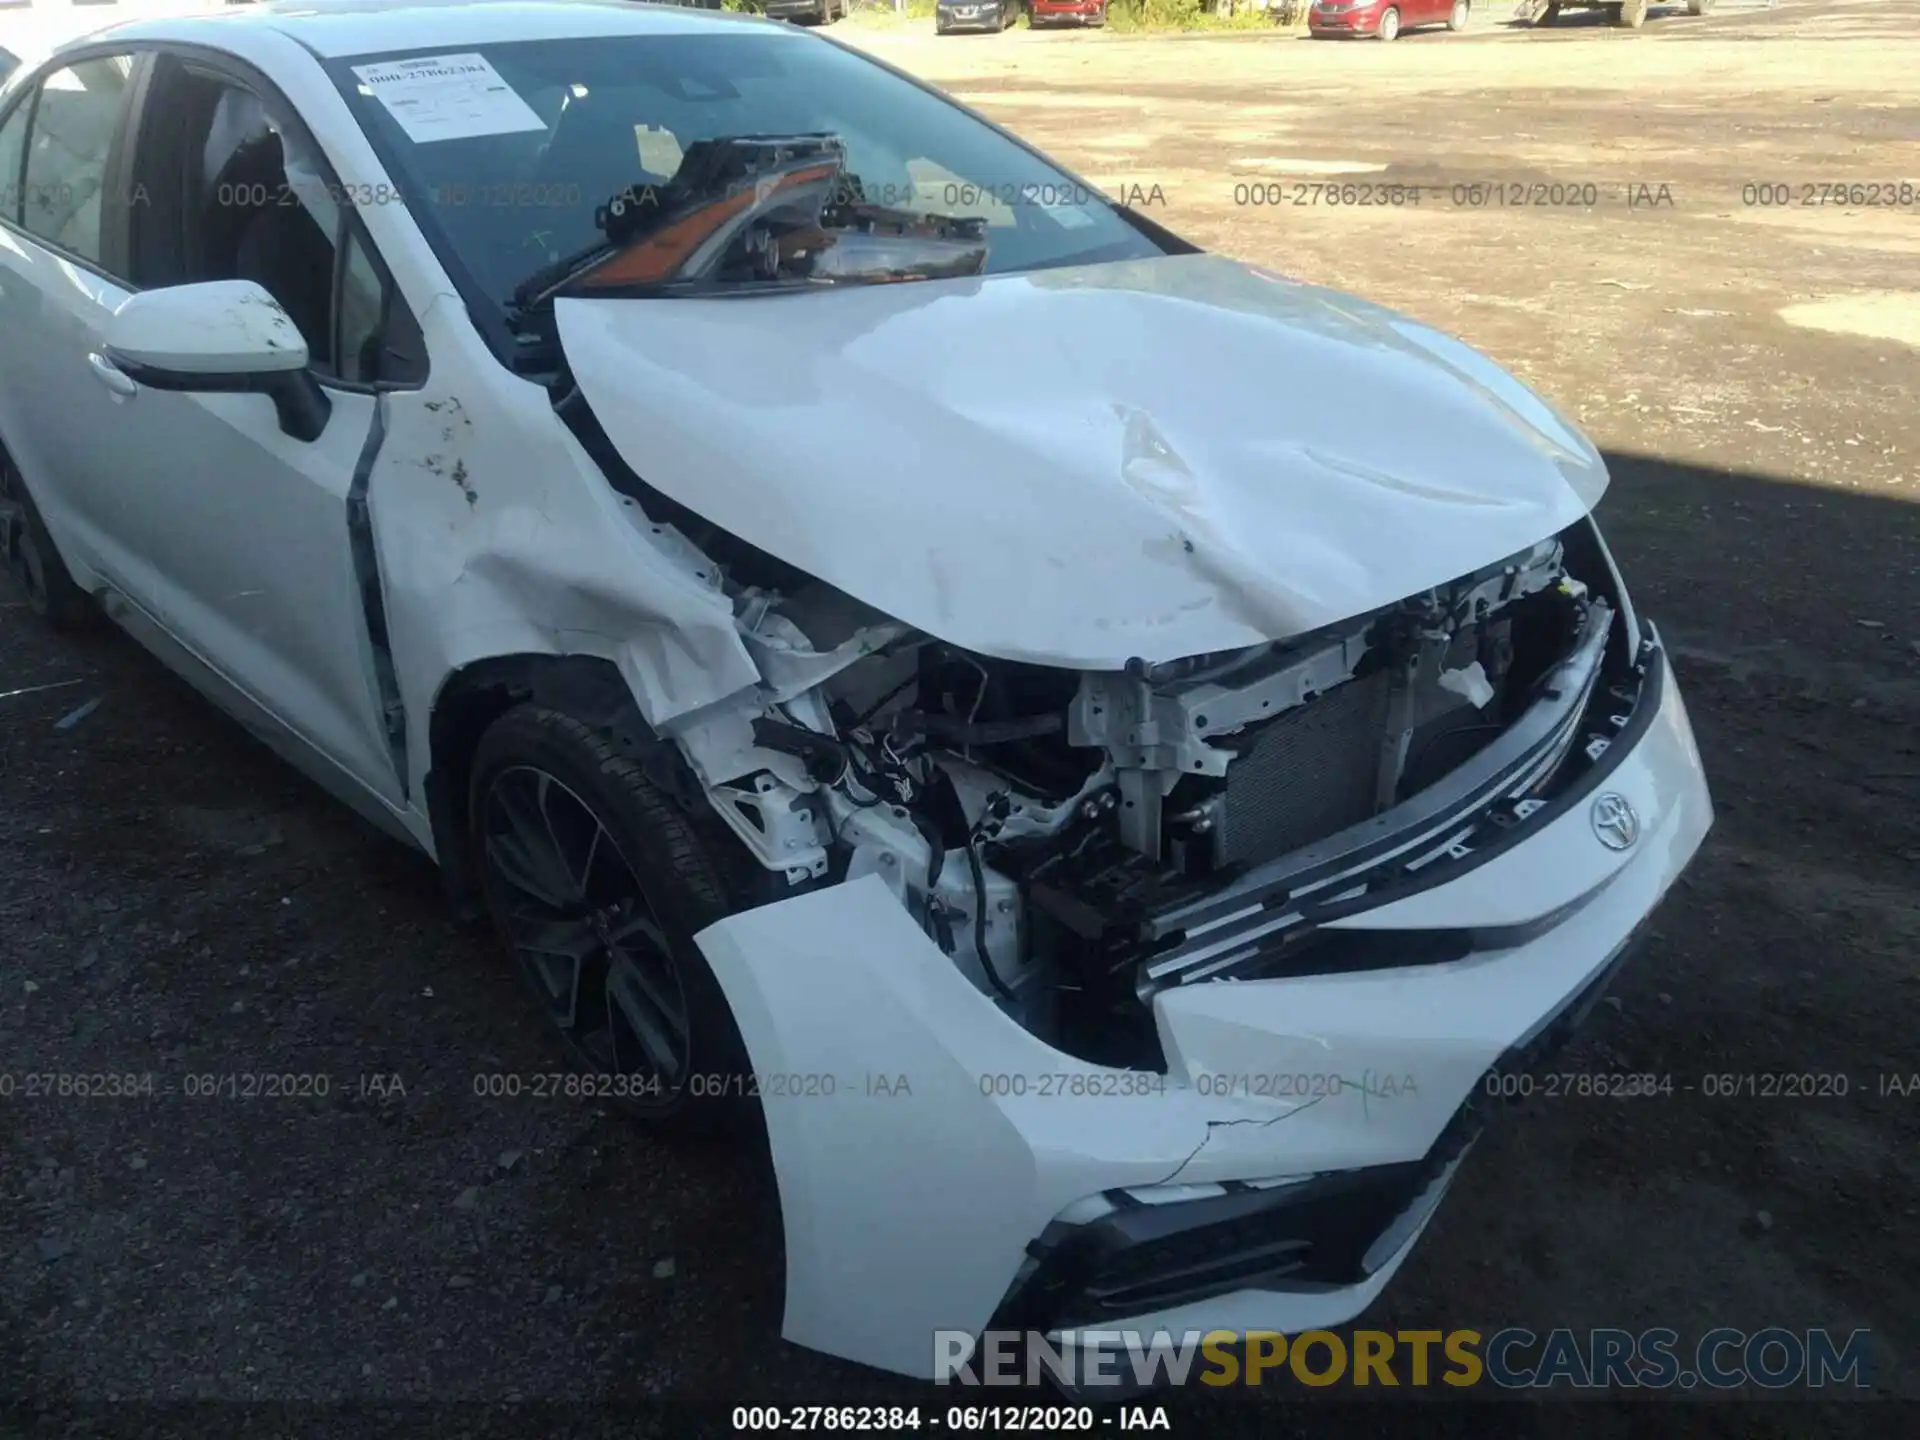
pixel 1457 18
pixel 597 882
pixel 1390 26
pixel 1551 16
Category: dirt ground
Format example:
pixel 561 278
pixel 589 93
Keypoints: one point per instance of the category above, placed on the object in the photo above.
pixel 175 901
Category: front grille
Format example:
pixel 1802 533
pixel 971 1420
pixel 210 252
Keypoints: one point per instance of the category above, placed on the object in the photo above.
pixel 1564 743
pixel 1309 773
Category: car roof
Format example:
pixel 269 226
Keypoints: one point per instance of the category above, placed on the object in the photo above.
pixel 332 28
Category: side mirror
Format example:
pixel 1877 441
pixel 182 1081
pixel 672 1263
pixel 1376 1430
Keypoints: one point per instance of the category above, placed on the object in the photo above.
pixel 224 336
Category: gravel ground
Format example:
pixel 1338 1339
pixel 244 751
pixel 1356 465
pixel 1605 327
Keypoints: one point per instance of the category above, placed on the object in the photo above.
pixel 178 904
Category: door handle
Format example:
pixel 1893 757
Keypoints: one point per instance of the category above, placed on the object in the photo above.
pixel 111 376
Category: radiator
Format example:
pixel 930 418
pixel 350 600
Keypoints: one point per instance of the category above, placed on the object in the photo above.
pixel 1308 773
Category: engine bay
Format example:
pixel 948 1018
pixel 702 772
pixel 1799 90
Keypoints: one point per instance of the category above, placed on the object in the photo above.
pixel 1029 818
pixel 1040 824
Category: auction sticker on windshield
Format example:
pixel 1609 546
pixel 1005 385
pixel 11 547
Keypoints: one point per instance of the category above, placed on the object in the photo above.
pixel 448 97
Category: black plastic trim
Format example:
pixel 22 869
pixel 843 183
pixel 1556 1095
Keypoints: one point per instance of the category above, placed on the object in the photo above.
pixel 301 405
pixel 366 573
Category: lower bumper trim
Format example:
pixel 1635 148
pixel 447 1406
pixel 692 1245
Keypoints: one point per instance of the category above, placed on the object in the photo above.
pixel 1330 1232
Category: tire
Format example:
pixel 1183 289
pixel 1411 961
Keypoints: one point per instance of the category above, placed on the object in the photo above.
pixel 1699 7
pixel 1632 15
pixel 1458 17
pixel 1099 22
pixel 33 560
pixel 627 881
pixel 1390 25
pixel 1551 15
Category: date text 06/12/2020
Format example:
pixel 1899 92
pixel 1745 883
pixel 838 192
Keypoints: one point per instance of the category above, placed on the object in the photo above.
pixel 962 1419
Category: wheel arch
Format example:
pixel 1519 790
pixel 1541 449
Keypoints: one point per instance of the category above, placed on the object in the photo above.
pixel 10 474
pixel 67 590
pixel 10 466
pixel 588 687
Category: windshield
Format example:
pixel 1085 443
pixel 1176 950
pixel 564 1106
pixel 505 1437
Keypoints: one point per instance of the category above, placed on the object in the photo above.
pixel 640 164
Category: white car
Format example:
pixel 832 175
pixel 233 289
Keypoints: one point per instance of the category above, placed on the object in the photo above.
pixel 1117 751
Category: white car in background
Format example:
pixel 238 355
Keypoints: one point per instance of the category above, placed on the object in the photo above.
pixel 1117 812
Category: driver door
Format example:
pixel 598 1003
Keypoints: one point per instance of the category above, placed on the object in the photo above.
pixel 243 529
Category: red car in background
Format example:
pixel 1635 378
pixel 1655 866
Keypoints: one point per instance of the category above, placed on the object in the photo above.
pixel 1067 12
pixel 1384 18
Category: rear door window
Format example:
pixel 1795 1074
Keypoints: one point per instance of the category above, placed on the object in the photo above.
pixel 75 116
pixel 13 151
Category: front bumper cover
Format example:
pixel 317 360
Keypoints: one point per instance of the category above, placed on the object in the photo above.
pixel 1319 1234
pixel 931 1199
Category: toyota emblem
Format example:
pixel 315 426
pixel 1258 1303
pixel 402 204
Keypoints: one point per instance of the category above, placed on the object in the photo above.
pixel 1614 821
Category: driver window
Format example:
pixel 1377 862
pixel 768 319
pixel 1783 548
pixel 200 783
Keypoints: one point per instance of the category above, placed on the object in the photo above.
pixel 223 190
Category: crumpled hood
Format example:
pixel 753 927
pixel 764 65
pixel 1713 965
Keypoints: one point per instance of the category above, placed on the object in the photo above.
pixel 1080 466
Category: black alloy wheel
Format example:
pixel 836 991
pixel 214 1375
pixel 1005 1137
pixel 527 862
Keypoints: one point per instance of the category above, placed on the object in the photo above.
pixel 597 883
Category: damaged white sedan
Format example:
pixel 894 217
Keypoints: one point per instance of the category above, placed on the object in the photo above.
pixel 1115 750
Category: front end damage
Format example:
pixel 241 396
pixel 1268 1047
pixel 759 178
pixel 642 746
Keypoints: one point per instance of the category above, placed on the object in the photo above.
pixel 1164 996
pixel 1173 821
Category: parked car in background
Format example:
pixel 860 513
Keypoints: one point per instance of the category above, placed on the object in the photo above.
pixel 1041 13
pixel 1384 19
pixel 806 12
pixel 950 17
